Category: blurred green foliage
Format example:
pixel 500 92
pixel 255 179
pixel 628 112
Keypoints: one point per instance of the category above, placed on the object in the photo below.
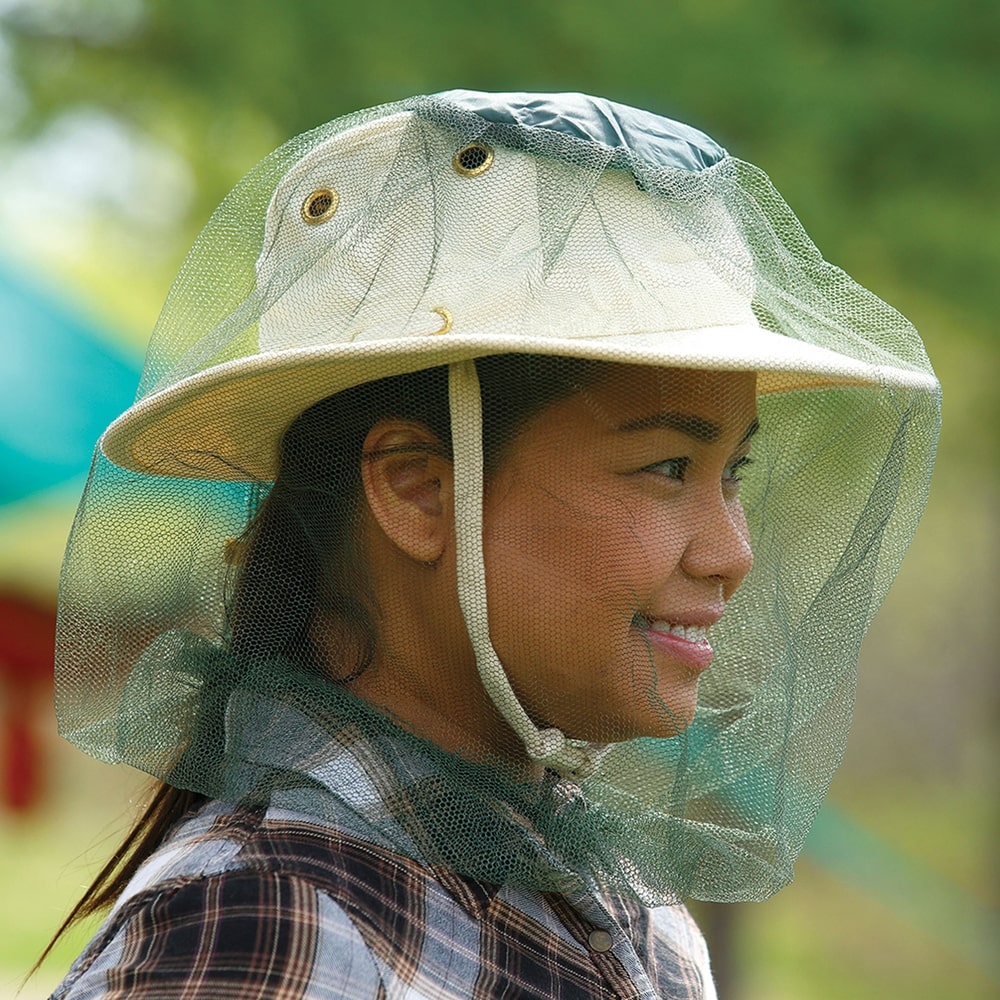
pixel 878 121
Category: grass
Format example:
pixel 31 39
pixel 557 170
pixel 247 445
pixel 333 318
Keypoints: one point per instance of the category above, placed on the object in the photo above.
pixel 47 859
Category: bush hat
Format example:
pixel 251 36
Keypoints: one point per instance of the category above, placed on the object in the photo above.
pixel 462 266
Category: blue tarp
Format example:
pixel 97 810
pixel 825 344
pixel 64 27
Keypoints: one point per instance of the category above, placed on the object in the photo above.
pixel 62 380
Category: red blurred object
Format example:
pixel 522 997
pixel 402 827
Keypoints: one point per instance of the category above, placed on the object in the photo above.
pixel 27 647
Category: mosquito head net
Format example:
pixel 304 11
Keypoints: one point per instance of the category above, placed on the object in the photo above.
pixel 511 482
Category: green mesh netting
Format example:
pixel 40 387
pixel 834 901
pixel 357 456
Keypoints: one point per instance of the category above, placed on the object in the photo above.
pixel 289 582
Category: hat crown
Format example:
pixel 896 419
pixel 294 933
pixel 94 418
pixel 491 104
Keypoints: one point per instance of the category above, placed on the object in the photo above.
pixel 523 244
pixel 654 139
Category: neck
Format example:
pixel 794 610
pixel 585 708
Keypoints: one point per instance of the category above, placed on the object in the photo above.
pixel 424 671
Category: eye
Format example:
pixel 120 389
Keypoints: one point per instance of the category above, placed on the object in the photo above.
pixel 732 476
pixel 671 468
pixel 734 471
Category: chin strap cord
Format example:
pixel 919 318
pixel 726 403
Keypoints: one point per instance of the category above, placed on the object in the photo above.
pixel 549 747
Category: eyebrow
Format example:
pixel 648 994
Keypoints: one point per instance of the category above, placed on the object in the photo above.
pixel 750 431
pixel 687 423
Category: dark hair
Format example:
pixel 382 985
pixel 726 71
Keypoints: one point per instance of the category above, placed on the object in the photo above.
pixel 299 554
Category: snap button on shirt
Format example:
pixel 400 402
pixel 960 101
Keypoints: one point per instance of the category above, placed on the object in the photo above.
pixel 600 941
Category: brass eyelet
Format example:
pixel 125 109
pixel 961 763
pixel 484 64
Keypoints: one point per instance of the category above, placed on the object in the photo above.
pixel 472 160
pixel 320 206
pixel 445 316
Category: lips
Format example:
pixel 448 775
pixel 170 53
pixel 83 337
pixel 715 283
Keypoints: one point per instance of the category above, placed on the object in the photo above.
pixel 685 641
pixel 690 633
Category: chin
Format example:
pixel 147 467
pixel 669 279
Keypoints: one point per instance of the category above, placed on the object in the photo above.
pixel 662 722
pixel 662 727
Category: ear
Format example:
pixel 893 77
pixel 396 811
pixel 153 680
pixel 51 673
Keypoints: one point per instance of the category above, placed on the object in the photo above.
pixel 408 484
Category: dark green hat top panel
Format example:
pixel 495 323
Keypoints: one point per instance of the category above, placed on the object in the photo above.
pixel 658 141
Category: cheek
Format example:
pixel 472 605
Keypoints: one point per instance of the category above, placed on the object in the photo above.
pixel 537 553
pixel 564 573
pixel 661 535
pixel 537 533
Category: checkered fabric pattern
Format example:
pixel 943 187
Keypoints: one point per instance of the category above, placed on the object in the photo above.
pixel 276 903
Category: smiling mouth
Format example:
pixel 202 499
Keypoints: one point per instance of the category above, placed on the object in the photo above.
pixel 689 633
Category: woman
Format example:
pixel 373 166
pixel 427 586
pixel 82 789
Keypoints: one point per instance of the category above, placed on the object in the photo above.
pixel 431 574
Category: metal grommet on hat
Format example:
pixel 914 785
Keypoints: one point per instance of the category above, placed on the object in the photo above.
pixel 472 160
pixel 320 206
pixel 446 319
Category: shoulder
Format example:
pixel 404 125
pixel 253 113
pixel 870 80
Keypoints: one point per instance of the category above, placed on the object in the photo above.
pixel 241 933
pixel 678 940
pixel 233 905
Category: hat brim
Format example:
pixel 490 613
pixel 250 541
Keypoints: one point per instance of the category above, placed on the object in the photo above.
pixel 225 423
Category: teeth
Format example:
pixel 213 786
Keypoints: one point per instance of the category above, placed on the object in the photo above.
pixel 690 633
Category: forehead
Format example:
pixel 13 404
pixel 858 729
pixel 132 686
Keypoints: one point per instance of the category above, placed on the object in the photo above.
pixel 624 394
pixel 713 407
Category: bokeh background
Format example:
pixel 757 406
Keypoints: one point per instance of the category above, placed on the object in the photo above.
pixel 123 123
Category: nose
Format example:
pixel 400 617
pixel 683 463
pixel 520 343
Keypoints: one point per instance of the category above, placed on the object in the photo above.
pixel 719 546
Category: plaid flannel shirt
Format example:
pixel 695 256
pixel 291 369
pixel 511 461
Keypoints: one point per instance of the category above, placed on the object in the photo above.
pixel 276 903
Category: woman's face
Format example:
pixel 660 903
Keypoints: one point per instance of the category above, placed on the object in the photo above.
pixel 613 538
